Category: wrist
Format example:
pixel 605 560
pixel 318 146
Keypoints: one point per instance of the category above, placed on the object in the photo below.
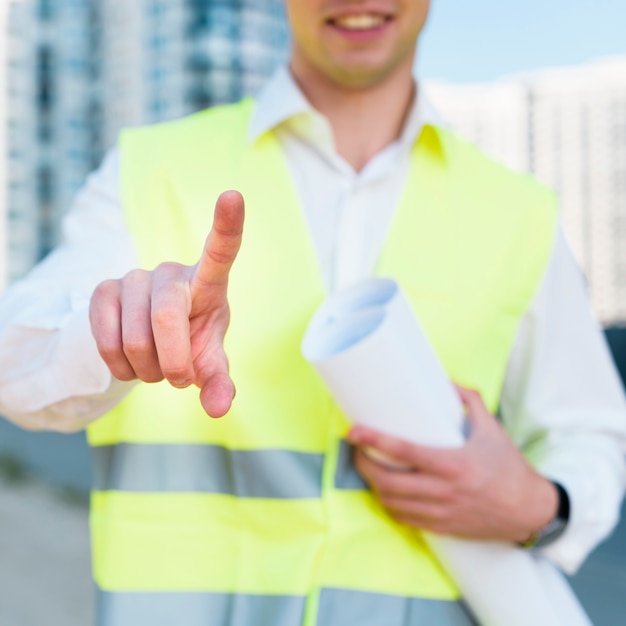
pixel 551 528
pixel 538 505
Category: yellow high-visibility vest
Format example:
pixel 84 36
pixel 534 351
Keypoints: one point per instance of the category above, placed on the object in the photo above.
pixel 260 518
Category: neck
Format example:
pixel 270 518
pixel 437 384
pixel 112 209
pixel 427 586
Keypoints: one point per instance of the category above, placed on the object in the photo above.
pixel 366 120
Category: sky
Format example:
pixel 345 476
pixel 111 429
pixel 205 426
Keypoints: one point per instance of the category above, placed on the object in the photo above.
pixel 480 40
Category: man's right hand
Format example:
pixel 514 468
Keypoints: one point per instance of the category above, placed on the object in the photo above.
pixel 170 322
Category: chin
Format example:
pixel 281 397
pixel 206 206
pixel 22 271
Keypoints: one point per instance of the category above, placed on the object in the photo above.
pixel 361 78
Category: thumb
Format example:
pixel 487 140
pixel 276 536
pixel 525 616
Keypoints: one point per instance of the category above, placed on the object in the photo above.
pixel 477 412
pixel 217 389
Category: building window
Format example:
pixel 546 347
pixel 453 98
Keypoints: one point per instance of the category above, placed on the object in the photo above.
pixel 45 9
pixel 45 222
pixel 157 42
pixel 157 9
pixel 157 74
pixel 45 78
pixel 199 98
pixel 45 185
pixel 45 130
pixel 157 107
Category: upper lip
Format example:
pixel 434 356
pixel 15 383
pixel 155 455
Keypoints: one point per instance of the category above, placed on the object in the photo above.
pixel 369 9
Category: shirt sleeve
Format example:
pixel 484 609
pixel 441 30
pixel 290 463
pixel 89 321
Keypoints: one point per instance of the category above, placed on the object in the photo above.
pixel 564 406
pixel 51 375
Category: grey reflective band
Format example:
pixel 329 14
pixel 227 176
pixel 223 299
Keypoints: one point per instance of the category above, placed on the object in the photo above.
pixel 337 607
pixel 154 468
pixel 197 609
pixel 346 476
pixel 343 607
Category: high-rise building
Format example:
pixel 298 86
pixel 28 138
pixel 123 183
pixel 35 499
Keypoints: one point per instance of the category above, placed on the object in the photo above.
pixel 578 135
pixel 495 116
pixel 167 58
pixel 4 127
pixel 54 136
pixel 567 126
pixel 23 215
pixel 83 69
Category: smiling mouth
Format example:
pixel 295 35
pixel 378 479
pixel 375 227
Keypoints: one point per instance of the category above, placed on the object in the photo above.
pixel 360 22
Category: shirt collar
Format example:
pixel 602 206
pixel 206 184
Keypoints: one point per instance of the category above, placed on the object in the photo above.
pixel 282 99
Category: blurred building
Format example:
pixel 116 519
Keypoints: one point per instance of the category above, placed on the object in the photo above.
pixel 54 119
pixel 167 58
pixel 493 115
pixel 568 127
pixel 4 127
pixel 82 69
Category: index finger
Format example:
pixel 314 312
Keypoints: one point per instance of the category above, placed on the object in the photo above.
pixel 223 242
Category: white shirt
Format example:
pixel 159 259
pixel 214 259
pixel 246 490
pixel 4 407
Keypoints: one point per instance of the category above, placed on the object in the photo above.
pixel 562 401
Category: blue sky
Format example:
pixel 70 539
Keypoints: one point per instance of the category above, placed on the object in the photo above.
pixel 478 40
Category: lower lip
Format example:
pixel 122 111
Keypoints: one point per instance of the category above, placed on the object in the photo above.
pixel 361 35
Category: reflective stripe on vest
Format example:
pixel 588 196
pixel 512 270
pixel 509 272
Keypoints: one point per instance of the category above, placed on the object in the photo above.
pixel 198 609
pixel 337 607
pixel 182 468
pixel 153 468
pixel 265 502
pixel 346 475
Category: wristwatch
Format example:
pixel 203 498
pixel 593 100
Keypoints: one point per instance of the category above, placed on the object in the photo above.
pixel 556 527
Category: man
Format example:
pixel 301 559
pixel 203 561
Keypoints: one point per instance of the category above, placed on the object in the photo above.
pixel 257 518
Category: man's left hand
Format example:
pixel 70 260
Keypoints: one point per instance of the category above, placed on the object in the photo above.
pixel 484 490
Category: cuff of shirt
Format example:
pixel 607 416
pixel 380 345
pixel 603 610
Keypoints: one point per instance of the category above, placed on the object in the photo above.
pixel 592 518
pixel 70 387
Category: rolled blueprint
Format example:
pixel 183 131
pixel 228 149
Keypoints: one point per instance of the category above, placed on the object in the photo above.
pixel 369 349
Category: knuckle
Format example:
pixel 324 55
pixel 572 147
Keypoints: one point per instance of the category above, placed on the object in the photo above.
pixel 168 267
pixel 171 273
pixel 109 349
pixel 135 275
pixel 135 279
pixel 164 316
pixel 106 290
pixel 138 346
pixel 221 256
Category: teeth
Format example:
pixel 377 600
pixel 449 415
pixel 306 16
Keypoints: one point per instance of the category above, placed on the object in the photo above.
pixel 360 22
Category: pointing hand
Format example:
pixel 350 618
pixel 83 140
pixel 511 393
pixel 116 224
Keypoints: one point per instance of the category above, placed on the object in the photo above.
pixel 170 322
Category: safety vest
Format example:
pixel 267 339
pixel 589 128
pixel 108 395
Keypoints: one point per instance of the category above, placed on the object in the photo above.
pixel 260 518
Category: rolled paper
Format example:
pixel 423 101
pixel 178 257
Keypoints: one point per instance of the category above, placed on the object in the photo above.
pixel 368 347
pixel 379 366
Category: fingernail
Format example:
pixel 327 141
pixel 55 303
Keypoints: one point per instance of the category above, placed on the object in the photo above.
pixel 182 384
